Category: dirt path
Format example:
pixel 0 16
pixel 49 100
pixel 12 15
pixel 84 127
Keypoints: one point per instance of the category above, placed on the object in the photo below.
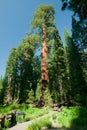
pixel 24 125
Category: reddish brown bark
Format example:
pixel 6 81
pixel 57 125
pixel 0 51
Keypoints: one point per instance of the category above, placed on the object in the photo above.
pixel 44 65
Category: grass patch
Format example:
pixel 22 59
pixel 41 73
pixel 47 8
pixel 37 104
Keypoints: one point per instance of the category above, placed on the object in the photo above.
pixel 8 108
pixel 33 113
pixel 40 124
pixel 30 113
pixel 74 118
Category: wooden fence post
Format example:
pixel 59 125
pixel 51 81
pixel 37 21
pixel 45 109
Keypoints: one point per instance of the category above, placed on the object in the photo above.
pixel 2 121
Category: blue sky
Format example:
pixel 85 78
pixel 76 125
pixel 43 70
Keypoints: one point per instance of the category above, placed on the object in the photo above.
pixel 15 19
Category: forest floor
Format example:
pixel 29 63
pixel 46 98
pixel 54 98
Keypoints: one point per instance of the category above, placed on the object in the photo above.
pixel 24 125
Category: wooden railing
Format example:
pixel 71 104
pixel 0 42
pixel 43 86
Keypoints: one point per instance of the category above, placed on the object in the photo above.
pixel 11 118
pixel 2 121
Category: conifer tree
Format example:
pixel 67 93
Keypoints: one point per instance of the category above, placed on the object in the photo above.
pixel 20 70
pixel 77 82
pixel 26 52
pixel 79 27
pixel 57 73
pixel 43 21
pixel 11 76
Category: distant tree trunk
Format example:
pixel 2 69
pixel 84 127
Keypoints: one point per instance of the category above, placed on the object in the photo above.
pixel 61 91
pixel 44 66
pixel 9 96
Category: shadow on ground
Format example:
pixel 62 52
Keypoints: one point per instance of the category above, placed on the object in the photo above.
pixel 79 123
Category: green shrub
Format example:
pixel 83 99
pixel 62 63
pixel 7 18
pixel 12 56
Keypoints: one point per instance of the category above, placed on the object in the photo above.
pixel 7 124
pixel 38 92
pixel 47 97
pixel 54 116
pixel 30 113
pixel 39 124
pixel 73 117
pixel 31 97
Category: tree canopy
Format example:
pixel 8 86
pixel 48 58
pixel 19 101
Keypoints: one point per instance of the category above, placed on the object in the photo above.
pixel 43 70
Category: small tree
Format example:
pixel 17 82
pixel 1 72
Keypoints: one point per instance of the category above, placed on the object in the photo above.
pixel 31 97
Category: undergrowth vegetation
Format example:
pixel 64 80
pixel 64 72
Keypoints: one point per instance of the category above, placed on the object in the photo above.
pixel 30 112
pixel 73 118
pixel 37 125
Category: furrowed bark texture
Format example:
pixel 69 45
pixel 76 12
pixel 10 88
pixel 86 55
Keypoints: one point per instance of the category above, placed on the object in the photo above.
pixel 44 65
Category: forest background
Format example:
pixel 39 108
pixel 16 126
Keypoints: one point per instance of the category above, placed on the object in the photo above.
pixel 62 77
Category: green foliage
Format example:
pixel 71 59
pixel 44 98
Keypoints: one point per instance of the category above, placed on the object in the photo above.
pixel 0 83
pixel 7 108
pixel 7 124
pixel 25 59
pixel 79 31
pixel 31 97
pixel 11 76
pixel 44 15
pixel 3 90
pixel 34 113
pixel 47 97
pixel 30 113
pixel 38 92
pixel 76 75
pixel 79 38
pixel 57 70
pixel 43 23
pixel 1 87
pixel 40 124
pixel 73 117
pixel 20 70
pixel 78 7
pixel 66 65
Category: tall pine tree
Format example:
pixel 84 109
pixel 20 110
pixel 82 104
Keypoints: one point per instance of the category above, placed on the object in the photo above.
pixel 77 82
pixel 43 21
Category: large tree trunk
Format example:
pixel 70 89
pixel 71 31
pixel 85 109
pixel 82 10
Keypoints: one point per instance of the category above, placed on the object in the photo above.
pixel 44 66
pixel 9 92
pixel 61 91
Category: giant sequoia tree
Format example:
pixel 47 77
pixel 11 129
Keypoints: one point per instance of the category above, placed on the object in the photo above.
pixel 43 21
pixel 22 71
pixel 60 69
